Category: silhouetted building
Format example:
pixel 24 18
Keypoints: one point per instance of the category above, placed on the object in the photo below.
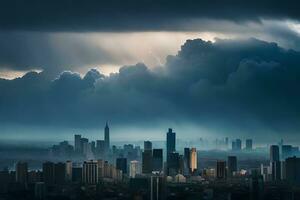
pixel 275 170
pixel 39 190
pixel 232 165
pixel 100 148
pixel 69 171
pixel 171 142
pixel 292 166
pixel 157 188
pixel 147 145
pixel 256 185
pixel 77 144
pixel 121 164
pixel 48 173
pixel 274 153
pixel 90 172
pixel 59 173
pixel 173 165
pixel 106 138
pixel 157 160
pixel 221 169
pixel 193 160
pixel 147 162
pixel 187 160
pixel 77 174
pixel 249 144
pixel 286 151
pixel 22 173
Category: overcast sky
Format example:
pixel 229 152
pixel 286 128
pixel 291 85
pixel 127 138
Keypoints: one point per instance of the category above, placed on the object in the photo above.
pixel 221 67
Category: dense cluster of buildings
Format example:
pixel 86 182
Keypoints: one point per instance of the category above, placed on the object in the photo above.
pixel 98 162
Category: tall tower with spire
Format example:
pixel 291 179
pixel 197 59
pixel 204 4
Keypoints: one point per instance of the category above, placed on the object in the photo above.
pixel 106 137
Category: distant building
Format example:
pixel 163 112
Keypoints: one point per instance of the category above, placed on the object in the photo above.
pixel 90 172
pixel 48 173
pixel 77 173
pixel 157 188
pixel 147 162
pixel 232 165
pixel 106 138
pixel 292 166
pixel 221 169
pixel 249 144
pixel 171 142
pixel 100 148
pixel 134 168
pixel 187 160
pixel 69 171
pixel 147 145
pixel 59 173
pixel 275 167
pixel 274 153
pixel 77 144
pixel 121 164
pixel 39 190
pixel 157 160
pixel 237 145
pixel 193 159
pixel 286 151
pixel 173 165
pixel 22 173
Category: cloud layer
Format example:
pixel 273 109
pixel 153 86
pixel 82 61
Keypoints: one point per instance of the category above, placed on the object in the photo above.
pixel 232 84
pixel 115 15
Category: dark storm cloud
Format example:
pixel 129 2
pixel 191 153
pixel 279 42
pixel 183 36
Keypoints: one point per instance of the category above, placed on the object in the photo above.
pixel 244 84
pixel 116 15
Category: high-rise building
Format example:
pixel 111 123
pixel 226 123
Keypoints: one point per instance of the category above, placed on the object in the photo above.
pixel 171 141
pixel 90 172
pixel 77 173
pixel 121 164
pixel 157 160
pixel 22 172
pixel 69 171
pixel 59 173
pixel 147 162
pixel 39 190
pixel 232 165
pixel 249 144
pixel 48 173
pixel 134 168
pixel 157 188
pixel 100 168
pixel 274 153
pixel 147 145
pixel 238 144
pixel 77 144
pixel 106 137
pixel 292 166
pixel 173 165
pixel 187 160
pixel 193 160
pixel 286 151
pixel 275 167
pixel 221 169
pixel 100 148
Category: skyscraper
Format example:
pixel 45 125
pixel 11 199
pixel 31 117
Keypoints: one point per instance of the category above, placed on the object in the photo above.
pixel 238 143
pixel 274 153
pixel 232 165
pixel 90 172
pixel 22 172
pixel 77 144
pixel 147 162
pixel 187 167
pixel 292 166
pixel 171 142
pixel 286 151
pixel 106 137
pixel 173 164
pixel 249 144
pixel 157 160
pixel 121 164
pixel 221 169
pixel 48 173
pixel 147 145
pixel 134 168
pixel 69 171
pixel 193 160
pixel 59 173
